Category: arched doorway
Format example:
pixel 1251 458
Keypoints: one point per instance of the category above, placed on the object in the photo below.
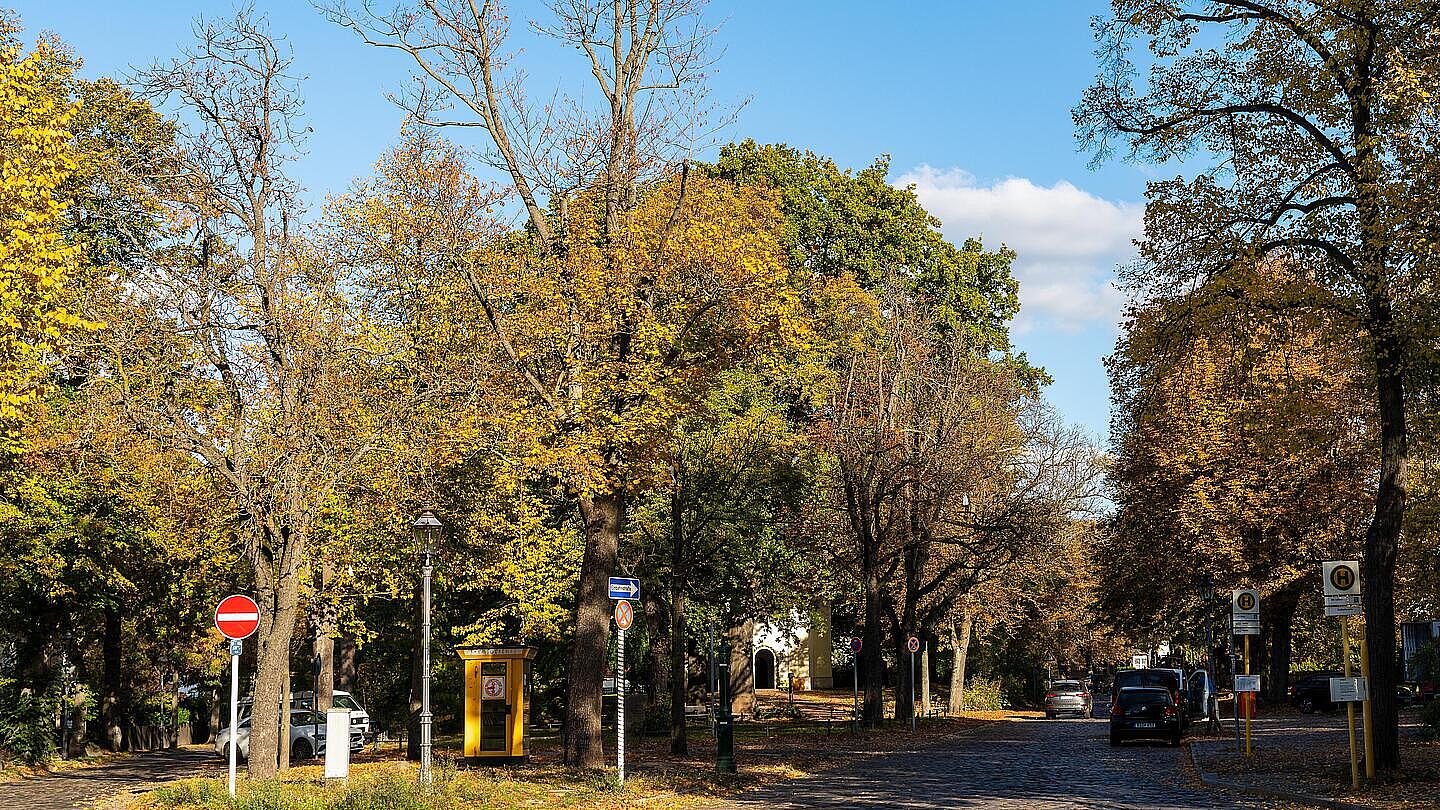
pixel 764 669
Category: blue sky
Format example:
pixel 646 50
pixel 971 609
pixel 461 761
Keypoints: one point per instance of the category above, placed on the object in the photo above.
pixel 971 100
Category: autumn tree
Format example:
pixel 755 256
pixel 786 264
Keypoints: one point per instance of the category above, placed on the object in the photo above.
pixel 1243 432
pixel 232 341
pixel 1307 109
pixel 37 261
pixel 402 239
pixel 580 173
pixel 733 469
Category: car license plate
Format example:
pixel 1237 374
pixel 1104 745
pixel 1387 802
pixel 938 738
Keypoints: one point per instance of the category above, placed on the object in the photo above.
pixel 1144 725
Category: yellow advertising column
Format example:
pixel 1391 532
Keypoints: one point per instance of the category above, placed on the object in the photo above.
pixel 497 695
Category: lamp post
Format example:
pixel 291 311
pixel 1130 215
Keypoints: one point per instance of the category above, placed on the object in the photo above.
pixel 1207 595
pixel 425 529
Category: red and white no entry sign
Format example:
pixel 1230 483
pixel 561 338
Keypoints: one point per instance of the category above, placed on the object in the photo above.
pixel 237 616
pixel 624 615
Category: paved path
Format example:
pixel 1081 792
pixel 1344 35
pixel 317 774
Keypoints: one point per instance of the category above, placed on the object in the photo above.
pixel 81 787
pixel 1030 764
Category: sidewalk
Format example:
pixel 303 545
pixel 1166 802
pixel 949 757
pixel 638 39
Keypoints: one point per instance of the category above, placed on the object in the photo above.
pixel 83 786
pixel 1306 758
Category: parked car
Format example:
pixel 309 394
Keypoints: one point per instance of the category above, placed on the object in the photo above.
pixel 1171 680
pixel 307 737
pixel 1067 697
pixel 359 718
pixel 1145 712
pixel 1311 691
pixel 1202 702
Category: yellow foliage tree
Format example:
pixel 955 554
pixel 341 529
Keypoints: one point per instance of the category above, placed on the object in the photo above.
pixel 36 159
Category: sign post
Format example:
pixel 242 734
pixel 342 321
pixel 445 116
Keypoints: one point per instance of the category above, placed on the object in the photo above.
pixel 237 618
pixel 912 644
pixel 1341 580
pixel 855 644
pixel 624 617
pixel 1245 621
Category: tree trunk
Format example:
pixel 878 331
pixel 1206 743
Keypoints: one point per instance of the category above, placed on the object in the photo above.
pixel 924 665
pixel 961 646
pixel 324 622
pixel 872 664
pixel 110 641
pixel 679 681
pixel 285 698
pixel 1282 616
pixel 904 677
pixel 1382 539
pixel 584 746
pixel 657 663
pixel 215 722
pixel 412 721
pixel 347 654
pixel 325 677
pixel 270 719
pixel 741 638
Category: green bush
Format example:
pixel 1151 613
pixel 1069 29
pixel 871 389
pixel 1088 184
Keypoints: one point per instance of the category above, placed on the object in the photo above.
pixel 983 695
pixel 1430 719
pixel 27 724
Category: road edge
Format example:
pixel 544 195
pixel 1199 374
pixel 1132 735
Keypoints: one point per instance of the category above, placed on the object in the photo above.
pixel 1215 780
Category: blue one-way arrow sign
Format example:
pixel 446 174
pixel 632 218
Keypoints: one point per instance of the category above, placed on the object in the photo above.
pixel 624 588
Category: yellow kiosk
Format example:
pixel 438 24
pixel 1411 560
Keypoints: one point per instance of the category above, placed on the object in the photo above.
pixel 497 689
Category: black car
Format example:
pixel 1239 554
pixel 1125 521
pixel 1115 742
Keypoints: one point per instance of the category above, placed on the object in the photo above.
pixel 1144 712
pixel 1171 680
pixel 1311 691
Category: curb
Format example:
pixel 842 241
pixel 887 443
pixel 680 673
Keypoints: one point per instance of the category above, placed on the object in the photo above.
pixel 1215 780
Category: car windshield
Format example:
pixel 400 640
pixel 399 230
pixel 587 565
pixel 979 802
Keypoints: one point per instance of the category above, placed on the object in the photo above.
pixel 1146 677
pixel 1144 697
pixel 1065 686
pixel 346 702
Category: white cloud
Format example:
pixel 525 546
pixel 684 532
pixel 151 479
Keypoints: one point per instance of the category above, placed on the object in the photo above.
pixel 1067 240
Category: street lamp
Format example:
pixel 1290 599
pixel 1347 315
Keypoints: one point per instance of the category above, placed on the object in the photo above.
pixel 1207 595
pixel 425 529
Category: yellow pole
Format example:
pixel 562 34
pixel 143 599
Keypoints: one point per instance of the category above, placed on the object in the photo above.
pixel 1365 707
pixel 1350 705
pixel 1249 700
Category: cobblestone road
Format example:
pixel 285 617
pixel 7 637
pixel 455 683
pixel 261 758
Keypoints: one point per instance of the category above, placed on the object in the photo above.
pixel 1046 764
pixel 81 787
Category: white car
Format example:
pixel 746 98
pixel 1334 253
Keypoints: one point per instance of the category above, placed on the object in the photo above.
pixel 307 737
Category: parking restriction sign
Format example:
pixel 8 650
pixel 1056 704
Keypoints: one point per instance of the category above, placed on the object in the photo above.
pixel 624 614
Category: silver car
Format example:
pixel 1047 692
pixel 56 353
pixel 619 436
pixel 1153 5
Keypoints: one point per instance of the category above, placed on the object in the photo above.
pixel 307 737
pixel 1067 697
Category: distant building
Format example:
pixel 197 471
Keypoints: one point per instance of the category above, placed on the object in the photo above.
pixel 797 656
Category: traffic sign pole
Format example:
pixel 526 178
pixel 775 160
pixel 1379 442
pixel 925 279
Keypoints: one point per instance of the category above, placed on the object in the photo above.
pixel 1350 705
pixel 1365 707
pixel 620 704
pixel 912 644
pixel 237 617
pixel 236 647
pixel 1249 701
pixel 624 615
